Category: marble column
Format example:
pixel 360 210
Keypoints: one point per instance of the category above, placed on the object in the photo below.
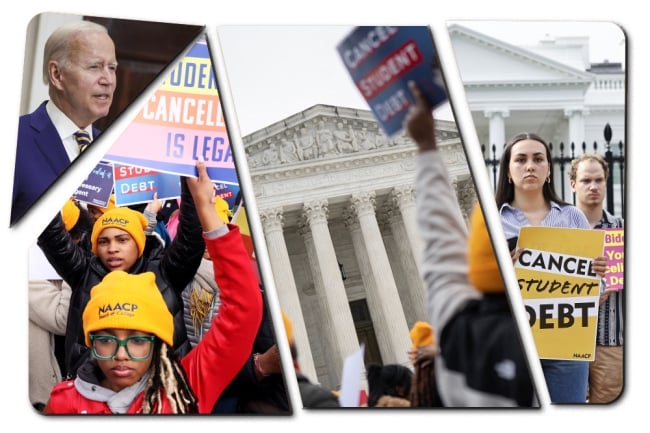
pixel 410 287
pixel 382 296
pixel 576 136
pixel 403 197
pixel 338 324
pixel 497 130
pixel 576 127
pixel 285 284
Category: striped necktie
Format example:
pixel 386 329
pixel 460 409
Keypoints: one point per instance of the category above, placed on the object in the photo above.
pixel 83 140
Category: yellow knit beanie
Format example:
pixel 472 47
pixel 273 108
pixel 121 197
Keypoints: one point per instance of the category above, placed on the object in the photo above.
pixel 128 301
pixel 70 214
pixel 421 334
pixel 223 210
pixel 124 218
pixel 109 205
pixel 483 270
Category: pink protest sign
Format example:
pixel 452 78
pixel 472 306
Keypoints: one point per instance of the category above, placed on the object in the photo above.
pixel 181 123
pixel 615 251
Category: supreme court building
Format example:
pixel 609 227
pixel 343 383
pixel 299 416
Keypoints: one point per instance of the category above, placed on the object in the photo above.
pixel 337 205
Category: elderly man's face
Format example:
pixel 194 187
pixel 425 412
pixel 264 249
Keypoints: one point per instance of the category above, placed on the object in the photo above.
pixel 88 80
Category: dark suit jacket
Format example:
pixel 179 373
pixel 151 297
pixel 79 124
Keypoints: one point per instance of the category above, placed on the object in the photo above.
pixel 40 159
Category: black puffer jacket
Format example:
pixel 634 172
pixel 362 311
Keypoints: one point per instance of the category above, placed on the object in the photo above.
pixel 173 266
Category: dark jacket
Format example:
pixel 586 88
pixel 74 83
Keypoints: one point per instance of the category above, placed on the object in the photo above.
pixel 481 344
pixel 255 395
pixel 212 364
pixel 173 266
pixel 314 396
pixel 481 361
pixel 40 159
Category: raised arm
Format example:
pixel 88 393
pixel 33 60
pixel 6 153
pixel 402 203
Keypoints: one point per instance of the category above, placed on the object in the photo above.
pixel 440 223
pixel 183 256
pixel 222 352
pixel 68 259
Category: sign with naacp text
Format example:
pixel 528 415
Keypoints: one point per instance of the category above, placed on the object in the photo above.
pixel 135 185
pixel 615 253
pixel 382 60
pixel 180 124
pixel 97 188
pixel 560 290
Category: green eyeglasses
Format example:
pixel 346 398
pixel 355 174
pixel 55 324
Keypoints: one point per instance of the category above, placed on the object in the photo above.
pixel 138 347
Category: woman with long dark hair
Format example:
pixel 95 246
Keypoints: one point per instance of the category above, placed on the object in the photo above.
pixel 525 196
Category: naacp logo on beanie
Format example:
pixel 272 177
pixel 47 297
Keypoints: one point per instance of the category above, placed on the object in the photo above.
pixel 129 220
pixel 128 301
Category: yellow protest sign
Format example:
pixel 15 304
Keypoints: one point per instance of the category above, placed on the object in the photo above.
pixel 560 290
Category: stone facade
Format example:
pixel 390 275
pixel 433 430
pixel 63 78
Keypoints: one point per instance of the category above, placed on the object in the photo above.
pixel 336 200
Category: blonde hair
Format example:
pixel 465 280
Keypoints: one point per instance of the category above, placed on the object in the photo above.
pixel 168 377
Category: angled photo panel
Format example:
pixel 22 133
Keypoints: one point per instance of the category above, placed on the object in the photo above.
pixel 548 103
pixel 80 73
pixel 177 230
pixel 344 200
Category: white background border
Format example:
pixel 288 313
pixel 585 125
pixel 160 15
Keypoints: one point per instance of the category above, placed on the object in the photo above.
pixel 14 404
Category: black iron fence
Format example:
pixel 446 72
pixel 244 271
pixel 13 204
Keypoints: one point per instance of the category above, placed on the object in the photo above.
pixel 561 162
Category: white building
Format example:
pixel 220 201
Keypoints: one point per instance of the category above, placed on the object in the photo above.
pixel 336 198
pixel 549 88
pixel 336 201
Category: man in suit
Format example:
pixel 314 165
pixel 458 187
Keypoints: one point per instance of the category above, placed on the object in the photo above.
pixel 79 66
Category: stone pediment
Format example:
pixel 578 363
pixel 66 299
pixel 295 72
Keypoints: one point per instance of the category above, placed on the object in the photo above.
pixel 484 61
pixel 325 135
pixel 329 151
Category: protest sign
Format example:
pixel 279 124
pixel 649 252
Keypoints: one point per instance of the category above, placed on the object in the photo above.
pixel 382 60
pixel 98 186
pixel 181 123
pixel 560 290
pixel 351 379
pixel 615 253
pixel 135 185
pixel 228 192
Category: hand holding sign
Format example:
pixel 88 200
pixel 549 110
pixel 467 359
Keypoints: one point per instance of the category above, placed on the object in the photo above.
pixel 381 61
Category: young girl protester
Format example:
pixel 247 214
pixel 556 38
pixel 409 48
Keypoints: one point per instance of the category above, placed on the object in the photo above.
pixel 119 241
pixel 129 330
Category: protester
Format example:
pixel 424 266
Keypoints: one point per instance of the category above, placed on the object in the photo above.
pixel 48 310
pixel 481 362
pixel 49 300
pixel 313 396
pixel 155 224
pixel 588 176
pixel 133 368
pixel 96 212
pixel 424 390
pixel 388 385
pixel 259 385
pixel 525 196
pixel 119 242
pixel 79 66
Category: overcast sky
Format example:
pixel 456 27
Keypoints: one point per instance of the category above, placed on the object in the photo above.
pixel 276 71
pixel 606 39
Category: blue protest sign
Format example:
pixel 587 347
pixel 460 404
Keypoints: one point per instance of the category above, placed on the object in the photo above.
pixel 382 60
pixel 97 187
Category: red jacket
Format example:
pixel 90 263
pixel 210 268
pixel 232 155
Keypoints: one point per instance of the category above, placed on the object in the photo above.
pixel 216 360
